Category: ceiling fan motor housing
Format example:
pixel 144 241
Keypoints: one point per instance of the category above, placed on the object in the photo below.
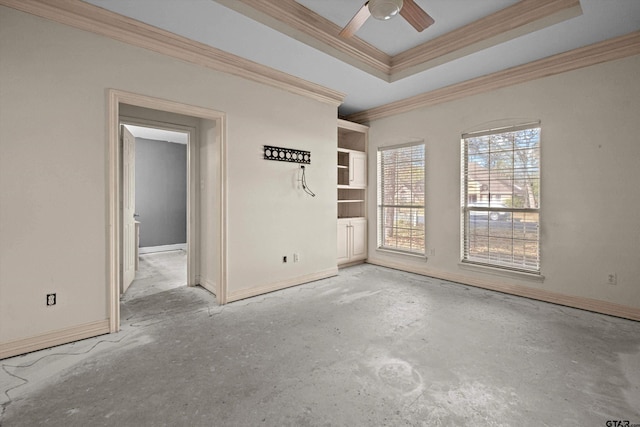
pixel 384 9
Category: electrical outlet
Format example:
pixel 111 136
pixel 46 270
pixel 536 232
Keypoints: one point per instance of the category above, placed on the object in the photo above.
pixel 296 258
pixel 612 279
pixel 51 299
pixel 284 258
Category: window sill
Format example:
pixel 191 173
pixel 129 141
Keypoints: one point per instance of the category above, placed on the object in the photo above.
pixel 391 251
pixel 501 272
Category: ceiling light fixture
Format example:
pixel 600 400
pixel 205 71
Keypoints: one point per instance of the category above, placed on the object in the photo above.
pixel 384 9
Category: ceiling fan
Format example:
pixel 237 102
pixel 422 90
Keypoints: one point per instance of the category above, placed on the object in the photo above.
pixel 387 9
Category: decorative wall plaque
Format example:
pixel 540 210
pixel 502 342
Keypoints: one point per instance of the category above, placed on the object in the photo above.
pixel 286 155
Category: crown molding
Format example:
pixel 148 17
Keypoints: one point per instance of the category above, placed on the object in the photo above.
pixel 87 17
pixel 514 21
pixel 608 50
pixel 295 20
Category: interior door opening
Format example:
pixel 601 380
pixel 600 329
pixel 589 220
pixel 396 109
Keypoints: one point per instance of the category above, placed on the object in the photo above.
pixel 154 209
pixel 206 199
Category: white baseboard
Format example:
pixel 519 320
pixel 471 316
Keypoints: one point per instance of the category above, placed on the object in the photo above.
pixel 247 293
pixel 52 339
pixel 209 285
pixel 352 263
pixel 164 248
pixel 582 303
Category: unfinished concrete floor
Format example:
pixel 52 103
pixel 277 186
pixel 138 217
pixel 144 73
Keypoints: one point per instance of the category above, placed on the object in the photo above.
pixel 370 347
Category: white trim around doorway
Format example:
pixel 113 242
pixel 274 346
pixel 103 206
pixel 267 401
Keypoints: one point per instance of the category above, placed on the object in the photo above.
pixel 115 98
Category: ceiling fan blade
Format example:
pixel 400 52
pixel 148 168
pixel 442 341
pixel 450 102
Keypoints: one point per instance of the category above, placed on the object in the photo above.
pixel 356 22
pixel 415 16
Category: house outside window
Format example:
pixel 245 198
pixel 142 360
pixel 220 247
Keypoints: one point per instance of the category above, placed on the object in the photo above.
pixel 401 198
pixel 501 198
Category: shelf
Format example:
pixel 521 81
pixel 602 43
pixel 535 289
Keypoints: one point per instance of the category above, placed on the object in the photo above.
pixel 346 150
pixel 349 187
pixel 343 167
pixel 350 201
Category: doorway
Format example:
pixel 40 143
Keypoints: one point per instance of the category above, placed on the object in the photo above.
pixel 155 179
pixel 206 197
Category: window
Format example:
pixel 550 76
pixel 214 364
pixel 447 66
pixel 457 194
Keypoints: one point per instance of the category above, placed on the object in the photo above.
pixel 501 198
pixel 401 198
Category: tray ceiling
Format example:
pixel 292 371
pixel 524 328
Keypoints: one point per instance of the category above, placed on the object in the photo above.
pixel 388 60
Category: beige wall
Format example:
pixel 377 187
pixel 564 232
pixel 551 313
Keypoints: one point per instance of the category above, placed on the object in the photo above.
pixel 53 171
pixel 590 173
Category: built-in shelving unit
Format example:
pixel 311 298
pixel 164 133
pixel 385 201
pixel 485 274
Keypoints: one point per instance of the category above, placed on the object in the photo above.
pixel 352 169
pixel 352 192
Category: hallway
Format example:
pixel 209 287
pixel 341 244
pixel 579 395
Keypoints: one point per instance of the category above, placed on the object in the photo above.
pixel 370 347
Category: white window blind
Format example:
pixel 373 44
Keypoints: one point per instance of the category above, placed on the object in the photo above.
pixel 501 198
pixel 401 198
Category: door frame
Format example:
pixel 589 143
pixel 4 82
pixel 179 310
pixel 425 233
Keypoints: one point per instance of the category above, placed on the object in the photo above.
pixel 115 98
pixel 127 207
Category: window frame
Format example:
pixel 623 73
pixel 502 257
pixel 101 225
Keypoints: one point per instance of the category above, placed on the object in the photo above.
pixel 467 209
pixel 380 206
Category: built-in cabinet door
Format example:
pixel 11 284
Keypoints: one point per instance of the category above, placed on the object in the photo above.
pixel 357 169
pixel 358 239
pixel 343 241
pixel 352 240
